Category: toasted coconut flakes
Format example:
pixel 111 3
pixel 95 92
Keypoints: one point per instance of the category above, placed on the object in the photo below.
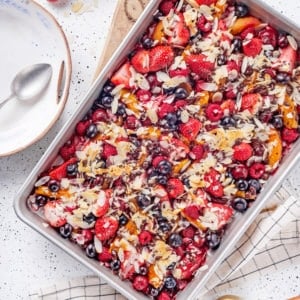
pixel 184 116
pixel 162 76
pixel 114 105
pixel 117 89
pixel 217 97
pixel 292 42
pixel 208 86
pixel 151 113
pixel 207 12
pixel 98 245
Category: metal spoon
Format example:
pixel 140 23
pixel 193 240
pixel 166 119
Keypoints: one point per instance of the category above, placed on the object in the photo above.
pixel 30 82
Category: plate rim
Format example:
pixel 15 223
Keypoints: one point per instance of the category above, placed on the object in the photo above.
pixel 67 83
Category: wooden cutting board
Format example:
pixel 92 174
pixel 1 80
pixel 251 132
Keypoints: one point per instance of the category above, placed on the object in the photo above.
pixel 126 13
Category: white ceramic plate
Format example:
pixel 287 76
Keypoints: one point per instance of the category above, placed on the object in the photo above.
pixel 29 34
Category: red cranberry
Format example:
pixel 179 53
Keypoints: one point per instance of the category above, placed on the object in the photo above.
pixel 240 172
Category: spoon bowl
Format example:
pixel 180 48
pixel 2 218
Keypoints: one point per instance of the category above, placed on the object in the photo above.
pixel 30 82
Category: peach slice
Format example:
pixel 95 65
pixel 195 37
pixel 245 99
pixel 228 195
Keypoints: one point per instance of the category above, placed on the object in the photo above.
pixel 243 23
pixel 275 148
pixel 158 33
pixel 289 113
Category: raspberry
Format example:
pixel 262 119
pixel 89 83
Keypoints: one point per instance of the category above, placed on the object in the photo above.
pixel 188 232
pixel 108 150
pixel 145 237
pixel 197 152
pixel 211 176
pixel 214 112
pixel 190 129
pixel 131 122
pixel 166 6
pixel 257 170
pixel 175 188
pixel 240 172
pixel 289 135
pixel 140 283
pixel 105 255
pixel 216 189
pixel 99 115
pixel 143 95
pixel 81 127
pixel 105 228
pixel 67 151
pixel 242 152
pixel 192 211
pixel 164 296
pixel 165 109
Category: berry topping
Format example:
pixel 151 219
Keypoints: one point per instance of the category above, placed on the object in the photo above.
pixel 140 283
pixel 145 237
pixel 175 188
pixel 199 64
pixel 214 112
pixel 160 57
pixel 252 47
pixel 105 255
pixel 190 129
pixel 105 228
pixel 242 152
pixel 257 170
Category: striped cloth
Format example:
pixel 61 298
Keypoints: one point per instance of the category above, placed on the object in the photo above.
pixel 272 242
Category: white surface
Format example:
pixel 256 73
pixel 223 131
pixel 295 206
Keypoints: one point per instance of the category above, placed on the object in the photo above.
pixel 31 36
pixel 28 260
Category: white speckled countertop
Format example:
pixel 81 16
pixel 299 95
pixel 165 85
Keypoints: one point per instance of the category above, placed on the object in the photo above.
pixel 27 259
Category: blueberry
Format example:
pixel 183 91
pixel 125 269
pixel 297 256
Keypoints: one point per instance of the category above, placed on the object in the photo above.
pixel 54 186
pixel 171 119
pixel 221 59
pixel 228 122
pixel 144 200
pixel 154 292
pixel 175 240
pixel 186 182
pixel 123 220
pixel 180 93
pixel 90 218
pixel 162 179
pixel 241 10
pixel 168 90
pixel 240 204
pixel 91 131
pixel 143 270
pixel 277 122
pixel 254 184
pixel 72 169
pixel 90 251
pixel 108 87
pixel 121 111
pixel 283 77
pixel 237 44
pixel 164 226
pixel 106 101
pixel 242 184
pixel 170 283
pixel 115 265
pixel 40 200
pixel 164 167
pixel 147 43
pixel 213 240
pixel 66 230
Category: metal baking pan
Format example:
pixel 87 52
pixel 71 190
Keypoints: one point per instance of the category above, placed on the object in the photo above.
pixel 236 228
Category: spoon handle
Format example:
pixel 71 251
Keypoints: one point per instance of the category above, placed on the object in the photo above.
pixel 5 100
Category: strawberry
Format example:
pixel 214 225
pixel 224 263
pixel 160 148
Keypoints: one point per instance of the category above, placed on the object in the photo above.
pixel 164 109
pixel 175 188
pixel 222 212
pixel 122 76
pixel 82 126
pixel 180 145
pixel 289 135
pixel 249 101
pixel 106 228
pixel 160 57
pixel 54 214
pixel 232 65
pixel 108 150
pixel 179 72
pixel 197 152
pixel 194 257
pixel 99 115
pixel 192 211
pixel 242 151
pixel 257 170
pixel 228 106
pixel 214 112
pixel 145 237
pixel 140 283
pixel 215 189
pixel 206 2
pixel 164 296
pixel 180 35
pixel 252 47
pixel 199 64
pixel 60 172
pixel 287 59
pixel 67 150
pixel 131 122
pixel 105 255
pixel 190 129
pixel 212 176
pixel 165 6
pixel 157 159
pixel 268 35
pixel 140 61
pixel 101 207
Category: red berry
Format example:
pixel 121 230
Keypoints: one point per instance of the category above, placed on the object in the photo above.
pixel 105 255
pixel 143 95
pixel 165 6
pixel 249 101
pixel 106 228
pixel 188 232
pixel 199 64
pixel 99 115
pixel 175 188
pixel 179 72
pixel 181 34
pixel 215 189
pixel 289 135
pixel 67 150
pixel 197 152
pixel 53 214
pixel 180 103
pixel 206 2
pixel 242 152
pixel 145 237
pixel 140 61
pixel 287 60
pixel 122 76
pixel 214 112
pixel 192 211
pixel 257 170
pixel 60 172
pixel 190 129
pixel 252 47
pixel 239 172
pixel 82 126
pixel 212 176
pixel 268 35
pixel 164 296
pixel 108 150
pixel 140 283
pixel 164 109
pixel 157 159
pixel 131 122
pixel 160 57
pixel 102 205
pixel 204 25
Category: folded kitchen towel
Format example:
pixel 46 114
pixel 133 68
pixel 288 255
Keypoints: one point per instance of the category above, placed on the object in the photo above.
pixel 272 242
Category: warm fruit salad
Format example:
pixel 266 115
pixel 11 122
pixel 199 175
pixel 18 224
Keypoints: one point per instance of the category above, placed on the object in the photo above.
pixel 182 138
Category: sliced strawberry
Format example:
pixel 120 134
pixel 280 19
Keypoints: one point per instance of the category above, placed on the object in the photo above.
pixel 179 145
pixel 122 76
pixel 179 72
pixel 60 172
pixel 253 47
pixel 287 59
pixel 108 150
pixel 101 207
pixel 190 129
pixel 199 64
pixel 242 151
pixel 192 211
pixel 67 150
pixel 215 189
pixel 105 255
pixel 249 101
pixel 160 57
pixel 206 2
pixel 54 214
pixel 180 35
pixel 197 152
pixel 106 228
pixel 164 109
pixel 233 65
pixel 140 61
pixel 193 259
pixel 212 176
pixel 228 106
pixel 175 188
pixel 222 213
